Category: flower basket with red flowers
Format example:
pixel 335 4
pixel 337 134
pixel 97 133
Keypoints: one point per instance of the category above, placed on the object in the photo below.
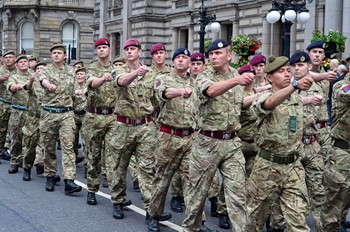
pixel 244 46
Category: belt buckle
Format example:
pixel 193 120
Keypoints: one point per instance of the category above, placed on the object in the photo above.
pixel 104 111
pixel 137 121
pixel 226 135
pixel 285 160
pixel 318 125
pixel 185 133
pixel 307 140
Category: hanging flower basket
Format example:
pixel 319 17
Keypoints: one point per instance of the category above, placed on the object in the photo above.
pixel 334 41
pixel 245 45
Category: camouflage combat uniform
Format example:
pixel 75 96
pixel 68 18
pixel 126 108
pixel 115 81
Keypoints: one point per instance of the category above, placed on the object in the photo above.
pixel 217 147
pixel 57 120
pixel 336 174
pixel 18 115
pixel 278 177
pixel 177 119
pixel 79 106
pixel 5 107
pixel 99 127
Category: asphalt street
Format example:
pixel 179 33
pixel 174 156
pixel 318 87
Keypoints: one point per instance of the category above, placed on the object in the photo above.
pixel 27 207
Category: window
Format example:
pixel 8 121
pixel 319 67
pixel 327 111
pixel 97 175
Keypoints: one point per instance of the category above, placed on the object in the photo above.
pixel 69 38
pixel 27 38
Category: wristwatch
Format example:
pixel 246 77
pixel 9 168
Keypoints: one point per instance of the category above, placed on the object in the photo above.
pixel 295 84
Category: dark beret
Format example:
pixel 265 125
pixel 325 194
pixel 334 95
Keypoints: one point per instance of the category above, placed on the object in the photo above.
pixel 39 64
pixel 275 63
pixel 33 58
pixel 300 56
pixel 79 62
pixel 257 59
pixel 20 57
pixel 180 51
pixel 58 46
pixel 315 44
pixel 218 44
pixel 132 42
pixel 245 68
pixel 102 41
pixel 119 59
pixel 157 47
pixel 82 69
pixel 9 52
pixel 197 56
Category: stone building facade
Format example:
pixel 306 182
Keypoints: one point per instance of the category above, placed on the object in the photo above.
pixel 176 22
pixel 34 25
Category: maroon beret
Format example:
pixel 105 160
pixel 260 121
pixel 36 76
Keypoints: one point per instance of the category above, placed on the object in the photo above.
pixel 244 68
pixel 102 41
pixel 197 56
pixel 132 42
pixel 157 47
pixel 257 59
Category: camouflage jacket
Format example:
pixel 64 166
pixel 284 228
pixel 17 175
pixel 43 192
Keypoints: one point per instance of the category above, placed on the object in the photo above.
pixel 79 103
pixel 35 96
pixel 177 112
pixel 64 81
pixel 19 97
pixel 249 123
pixel 281 129
pixel 105 95
pixel 4 93
pixel 222 112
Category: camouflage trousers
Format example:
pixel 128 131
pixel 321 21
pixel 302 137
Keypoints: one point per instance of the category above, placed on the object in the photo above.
pixel 337 186
pixel 133 167
pixel 138 141
pixel 17 120
pixel 250 150
pixel 52 126
pixel 272 183
pixel 30 140
pixel 5 112
pixel 78 128
pixel 325 141
pixel 98 133
pixel 208 155
pixel 176 185
pixel 171 155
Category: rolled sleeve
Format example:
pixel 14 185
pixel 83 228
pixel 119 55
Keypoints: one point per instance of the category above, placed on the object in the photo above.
pixel 258 101
pixel 160 86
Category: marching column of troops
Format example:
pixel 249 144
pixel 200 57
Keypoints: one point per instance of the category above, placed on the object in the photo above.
pixel 256 141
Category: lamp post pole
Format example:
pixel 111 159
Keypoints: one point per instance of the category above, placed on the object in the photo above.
pixel 286 41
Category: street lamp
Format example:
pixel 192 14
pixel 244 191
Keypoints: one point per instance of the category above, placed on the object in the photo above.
pixel 289 12
pixel 204 21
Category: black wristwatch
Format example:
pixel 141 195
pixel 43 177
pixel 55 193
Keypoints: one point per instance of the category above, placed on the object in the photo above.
pixel 295 84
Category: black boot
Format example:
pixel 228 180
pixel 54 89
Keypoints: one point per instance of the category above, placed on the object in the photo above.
pixel 56 178
pixel 175 205
pixel 39 168
pixel 26 175
pixel 224 221
pixel 13 169
pixel 71 187
pixel 91 199
pixel 5 155
pixel 50 184
pixel 204 228
pixel 213 206
pixel 126 202
pixel 118 212
pixel 163 217
pixel 153 224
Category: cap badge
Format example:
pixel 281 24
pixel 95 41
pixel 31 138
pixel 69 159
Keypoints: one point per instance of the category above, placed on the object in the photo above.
pixel 198 58
pixel 186 52
pixel 220 45
pixel 302 58
pixel 324 45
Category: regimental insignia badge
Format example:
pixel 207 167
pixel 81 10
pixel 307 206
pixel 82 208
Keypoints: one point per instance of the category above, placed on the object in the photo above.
pixel 302 58
pixel 220 44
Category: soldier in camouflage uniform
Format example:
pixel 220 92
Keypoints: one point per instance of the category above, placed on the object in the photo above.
pixel 177 120
pixel 57 119
pixel 31 147
pixel 258 63
pixel 33 60
pixel 79 108
pixel 17 85
pixel 337 175
pixel 99 125
pixel 136 131
pixel 78 64
pixel 217 146
pixel 278 177
pixel 5 102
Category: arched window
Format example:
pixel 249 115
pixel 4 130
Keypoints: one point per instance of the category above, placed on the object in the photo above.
pixel 70 39
pixel 27 38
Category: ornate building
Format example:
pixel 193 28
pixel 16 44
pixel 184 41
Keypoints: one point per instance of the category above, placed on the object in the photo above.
pixel 176 22
pixel 34 25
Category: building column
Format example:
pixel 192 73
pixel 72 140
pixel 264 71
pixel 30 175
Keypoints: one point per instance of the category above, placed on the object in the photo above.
pixel 102 18
pixel 190 45
pixel 174 39
pixel 266 37
pixel 293 38
pixel 346 29
pixel 333 15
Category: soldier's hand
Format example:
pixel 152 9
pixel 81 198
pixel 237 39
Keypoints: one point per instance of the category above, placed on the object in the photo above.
pixel 330 75
pixel 246 78
pixel 78 92
pixel 51 87
pixel 187 92
pixel 316 100
pixel 305 82
pixel 32 78
pixel 107 77
pixel 142 70
pixel 5 77
pixel 19 87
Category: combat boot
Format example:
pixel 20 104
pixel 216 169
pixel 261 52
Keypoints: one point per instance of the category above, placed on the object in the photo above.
pixel 13 169
pixel 91 199
pixel 175 205
pixel 50 184
pixel 6 155
pixel 163 217
pixel 71 187
pixel 224 221
pixel 213 206
pixel 204 228
pixel 153 224
pixel 26 174
pixel 39 168
pixel 56 179
pixel 118 212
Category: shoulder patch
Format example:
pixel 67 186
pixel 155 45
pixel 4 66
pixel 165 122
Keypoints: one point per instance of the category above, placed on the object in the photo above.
pixel 346 88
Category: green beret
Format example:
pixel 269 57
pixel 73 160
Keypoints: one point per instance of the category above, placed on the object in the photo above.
pixel 82 69
pixel 39 64
pixel 21 57
pixel 118 59
pixel 276 63
pixel 79 62
pixel 34 58
pixel 10 52
pixel 58 46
